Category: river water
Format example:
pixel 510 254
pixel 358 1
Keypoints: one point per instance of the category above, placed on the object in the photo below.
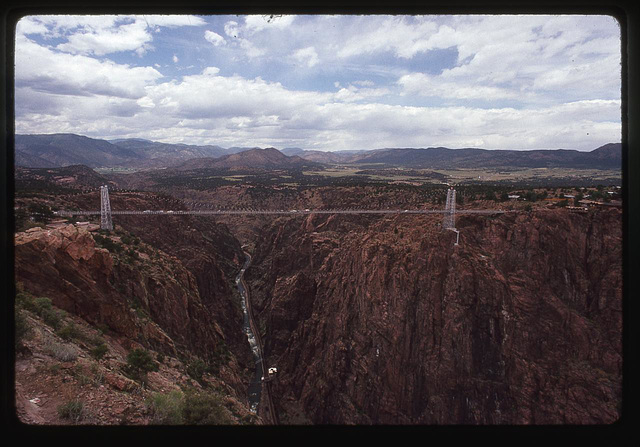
pixel 255 387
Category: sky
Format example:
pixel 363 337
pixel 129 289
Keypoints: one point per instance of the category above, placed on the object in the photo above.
pixel 323 82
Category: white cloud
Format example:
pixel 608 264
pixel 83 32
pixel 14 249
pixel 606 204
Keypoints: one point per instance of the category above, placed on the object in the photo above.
pixel 215 38
pixel 101 35
pixel 234 32
pixel 129 37
pixel 307 56
pixel 434 86
pixel 393 34
pixel 41 69
pixel 231 28
pixel 559 74
pixel 255 23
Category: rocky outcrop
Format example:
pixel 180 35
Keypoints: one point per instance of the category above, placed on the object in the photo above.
pixel 384 320
pixel 150 299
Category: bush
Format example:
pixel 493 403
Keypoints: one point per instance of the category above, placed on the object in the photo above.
pixel 68 332
pixel 107 243
pixel 196 369
pixel 42 306
pixel 204 409
pixel 531 196
pixel 99 351
pixel 73 410
pixel 139 363
pixel 62 352
pixel 167 409
pixel 23 330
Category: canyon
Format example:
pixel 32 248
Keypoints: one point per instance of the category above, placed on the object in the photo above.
pixel 368 319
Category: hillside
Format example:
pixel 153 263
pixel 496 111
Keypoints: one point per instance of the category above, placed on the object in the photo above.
pixel 81 347
pixel 606 157
pixel 250 160
pixel 59 150
pixel 74 177
pixel 156 154
pixel 38 151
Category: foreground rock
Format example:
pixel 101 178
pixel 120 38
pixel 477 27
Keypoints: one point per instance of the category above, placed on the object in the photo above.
pixel 142 295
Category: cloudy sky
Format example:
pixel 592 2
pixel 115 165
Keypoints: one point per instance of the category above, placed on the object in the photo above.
pixel 323 82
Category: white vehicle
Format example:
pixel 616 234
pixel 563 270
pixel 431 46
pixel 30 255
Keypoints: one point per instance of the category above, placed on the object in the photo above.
pixel 273 370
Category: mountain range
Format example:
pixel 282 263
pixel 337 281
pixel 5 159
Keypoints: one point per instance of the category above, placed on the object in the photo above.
pixel 251 159
pixel 58 150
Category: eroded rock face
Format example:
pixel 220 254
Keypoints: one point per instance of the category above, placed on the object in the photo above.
pixel 156 303
pixel 383 320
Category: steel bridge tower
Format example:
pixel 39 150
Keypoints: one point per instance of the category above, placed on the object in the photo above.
pixel 449 221
pixel 105 209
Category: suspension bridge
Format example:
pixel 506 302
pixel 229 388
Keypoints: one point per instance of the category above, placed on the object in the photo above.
pixel 106 213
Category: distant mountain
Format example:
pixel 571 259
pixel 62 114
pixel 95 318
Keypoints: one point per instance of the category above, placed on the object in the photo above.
pixel 252 159
pixel 156 154
pixel 57 150
pixel 69 149
pixel 54 150
pixel 605 157
pixel 118 140
pixel 292 151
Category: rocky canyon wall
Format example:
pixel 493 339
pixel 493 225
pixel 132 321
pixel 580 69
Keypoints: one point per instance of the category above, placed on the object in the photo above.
pixel 384 320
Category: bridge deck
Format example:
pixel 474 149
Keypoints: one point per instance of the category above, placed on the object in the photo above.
pixel 285 212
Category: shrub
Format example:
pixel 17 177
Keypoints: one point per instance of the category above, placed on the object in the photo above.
pixel 167 409
pixel 107 243
pixel 99 351
pixel 204 409
pixel 196 369
pixel 531 196
pixel 139 363
pixel 68 332
pixel 43 307
pixel 62 352
pixel 73 410
pixel 23 330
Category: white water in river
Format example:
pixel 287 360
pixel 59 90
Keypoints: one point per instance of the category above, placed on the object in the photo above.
pixel 255 387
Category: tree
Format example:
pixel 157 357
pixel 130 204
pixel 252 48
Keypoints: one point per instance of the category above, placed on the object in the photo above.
pixel 531 196
pixel 577 199
pixel 139 363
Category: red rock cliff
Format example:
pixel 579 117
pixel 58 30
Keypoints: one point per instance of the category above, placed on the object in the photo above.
pixel 384 321
pixel 154 301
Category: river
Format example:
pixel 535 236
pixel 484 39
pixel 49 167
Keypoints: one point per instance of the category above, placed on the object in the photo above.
pixel 255 387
